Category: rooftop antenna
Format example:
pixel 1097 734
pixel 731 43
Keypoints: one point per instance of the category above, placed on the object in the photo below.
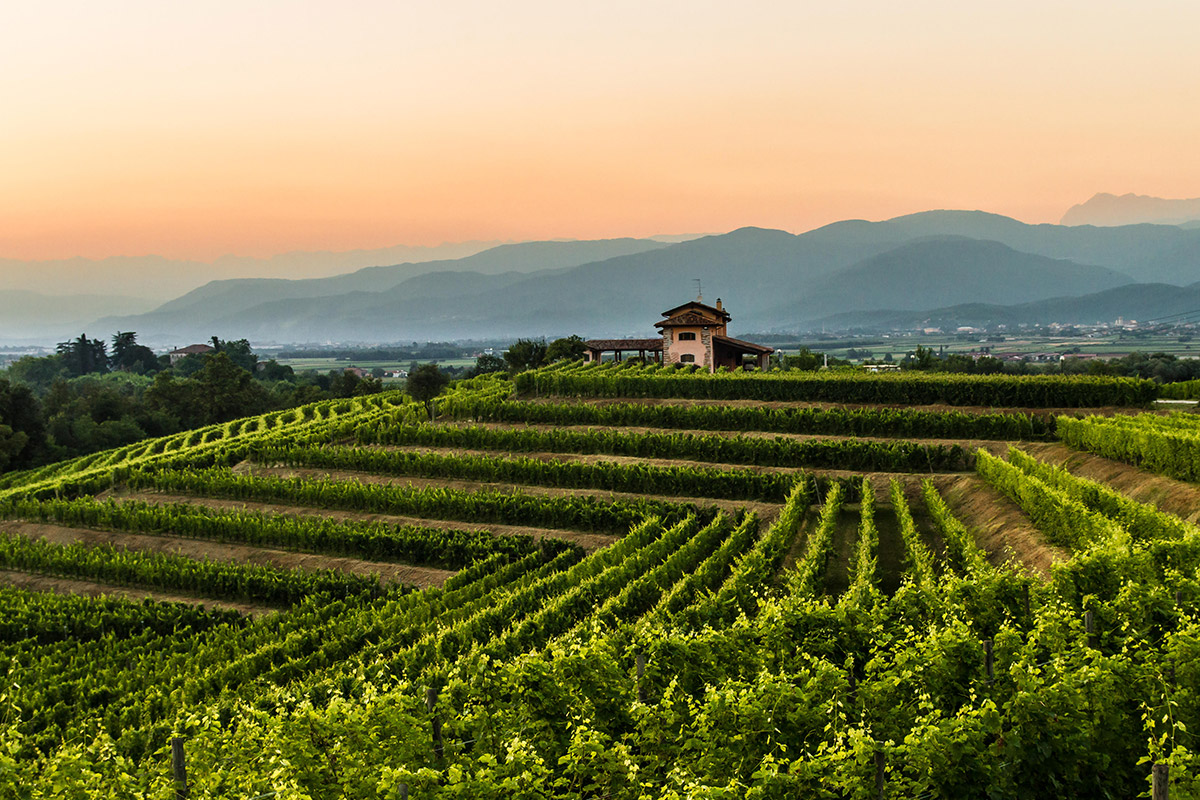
pixel 699 292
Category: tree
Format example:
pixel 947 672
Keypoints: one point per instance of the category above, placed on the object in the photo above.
pixel 569 348
pixel 488 363
pixel 424 384
pixel 129 356
pixel 219 392
pixel 229 391
pixel 22 434
pixel 525 354
pixel 38 373
pixel 83 356
pixel 239 352
pixel 344 383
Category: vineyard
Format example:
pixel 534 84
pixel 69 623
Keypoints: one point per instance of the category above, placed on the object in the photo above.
pixel 618 581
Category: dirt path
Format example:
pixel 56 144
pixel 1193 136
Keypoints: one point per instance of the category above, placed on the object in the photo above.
pixel 45 583
pixel 999 525
pixel 891 561
pixel 800 542
pixel 588 541
pixel 583 458
pixel 389 573
pixel 1173 496
pixel 841 554
pixel 765 510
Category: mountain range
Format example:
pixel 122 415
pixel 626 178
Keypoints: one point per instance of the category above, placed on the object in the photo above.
pixel 770 280
pixel 1133 209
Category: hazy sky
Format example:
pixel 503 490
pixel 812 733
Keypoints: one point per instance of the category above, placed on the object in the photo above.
pixel 198 129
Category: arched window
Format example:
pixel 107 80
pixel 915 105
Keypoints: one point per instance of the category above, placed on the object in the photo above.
pixel 687 358
pixel 687 336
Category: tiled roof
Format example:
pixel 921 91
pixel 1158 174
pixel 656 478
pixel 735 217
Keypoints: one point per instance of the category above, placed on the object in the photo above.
pixel 688 318
pixel 192 349
pixel 744 346
pixel 714 312
pixel 624 344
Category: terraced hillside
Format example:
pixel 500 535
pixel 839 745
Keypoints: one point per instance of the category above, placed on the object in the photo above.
pixel 614 582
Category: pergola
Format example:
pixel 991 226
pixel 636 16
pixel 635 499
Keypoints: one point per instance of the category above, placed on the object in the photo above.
pixel 596 348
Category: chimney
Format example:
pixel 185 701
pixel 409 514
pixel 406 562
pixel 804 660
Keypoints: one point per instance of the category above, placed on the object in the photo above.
pixel 719 307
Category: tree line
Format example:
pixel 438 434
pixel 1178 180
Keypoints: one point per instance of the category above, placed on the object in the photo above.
pixel 92 395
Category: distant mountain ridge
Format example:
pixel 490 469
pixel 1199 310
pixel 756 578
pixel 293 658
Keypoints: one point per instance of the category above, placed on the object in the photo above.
pixel 1132 209
pixel 1142 302
pixel 769 279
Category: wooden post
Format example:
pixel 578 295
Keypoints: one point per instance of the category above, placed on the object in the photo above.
pixel 1161 780
pixel 988 662
pixel 1026 593
pixel 853 679
pixel 1178 598
pixel 641 674
pixel 431 698
pixel 404 791
pixel 880 763
pixel 179 768
pixel 1089 625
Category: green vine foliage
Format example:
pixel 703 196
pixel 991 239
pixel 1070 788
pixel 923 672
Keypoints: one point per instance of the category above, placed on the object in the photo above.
pixel 700 655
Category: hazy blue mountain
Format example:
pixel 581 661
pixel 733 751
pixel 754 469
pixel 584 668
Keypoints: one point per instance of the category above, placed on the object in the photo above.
pixel 751 269
pixel 1142 302
pixel 1147 253
pixel 768 279
pixel 217 302
pixel 1131 209
pixel 942 271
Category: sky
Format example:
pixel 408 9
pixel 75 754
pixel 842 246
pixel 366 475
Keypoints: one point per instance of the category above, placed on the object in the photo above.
pixel 195 130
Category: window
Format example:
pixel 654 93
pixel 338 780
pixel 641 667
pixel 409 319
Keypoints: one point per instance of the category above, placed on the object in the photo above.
pixel 687 336
pixel 687 358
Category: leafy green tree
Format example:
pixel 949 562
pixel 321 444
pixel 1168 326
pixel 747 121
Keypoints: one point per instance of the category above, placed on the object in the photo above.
pixel 487 363
pixel 219 392
pixel 525 354
pixel 38 373
pixel 229 391
pixel 569 348
pixel 129 356
pixel 274 371
pixel 424 384
pixel 343 383
pixel 238 351
pixel 22 433
pixel 83 356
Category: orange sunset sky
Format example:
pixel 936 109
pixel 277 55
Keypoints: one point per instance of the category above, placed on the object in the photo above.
pixel 194 130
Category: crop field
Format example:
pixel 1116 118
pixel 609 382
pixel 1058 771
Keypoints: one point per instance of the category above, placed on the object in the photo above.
pixel 617 581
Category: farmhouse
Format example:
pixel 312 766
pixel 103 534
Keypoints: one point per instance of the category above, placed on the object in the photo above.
pixel 693 333
pixel 191 350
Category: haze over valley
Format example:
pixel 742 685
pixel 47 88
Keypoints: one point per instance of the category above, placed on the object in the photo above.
pixel 952 267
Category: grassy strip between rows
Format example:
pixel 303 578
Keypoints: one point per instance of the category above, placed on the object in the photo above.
pixel 378 541
pixel 851 454
pixel 686 481
pixel 574 512
pixel 122 567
